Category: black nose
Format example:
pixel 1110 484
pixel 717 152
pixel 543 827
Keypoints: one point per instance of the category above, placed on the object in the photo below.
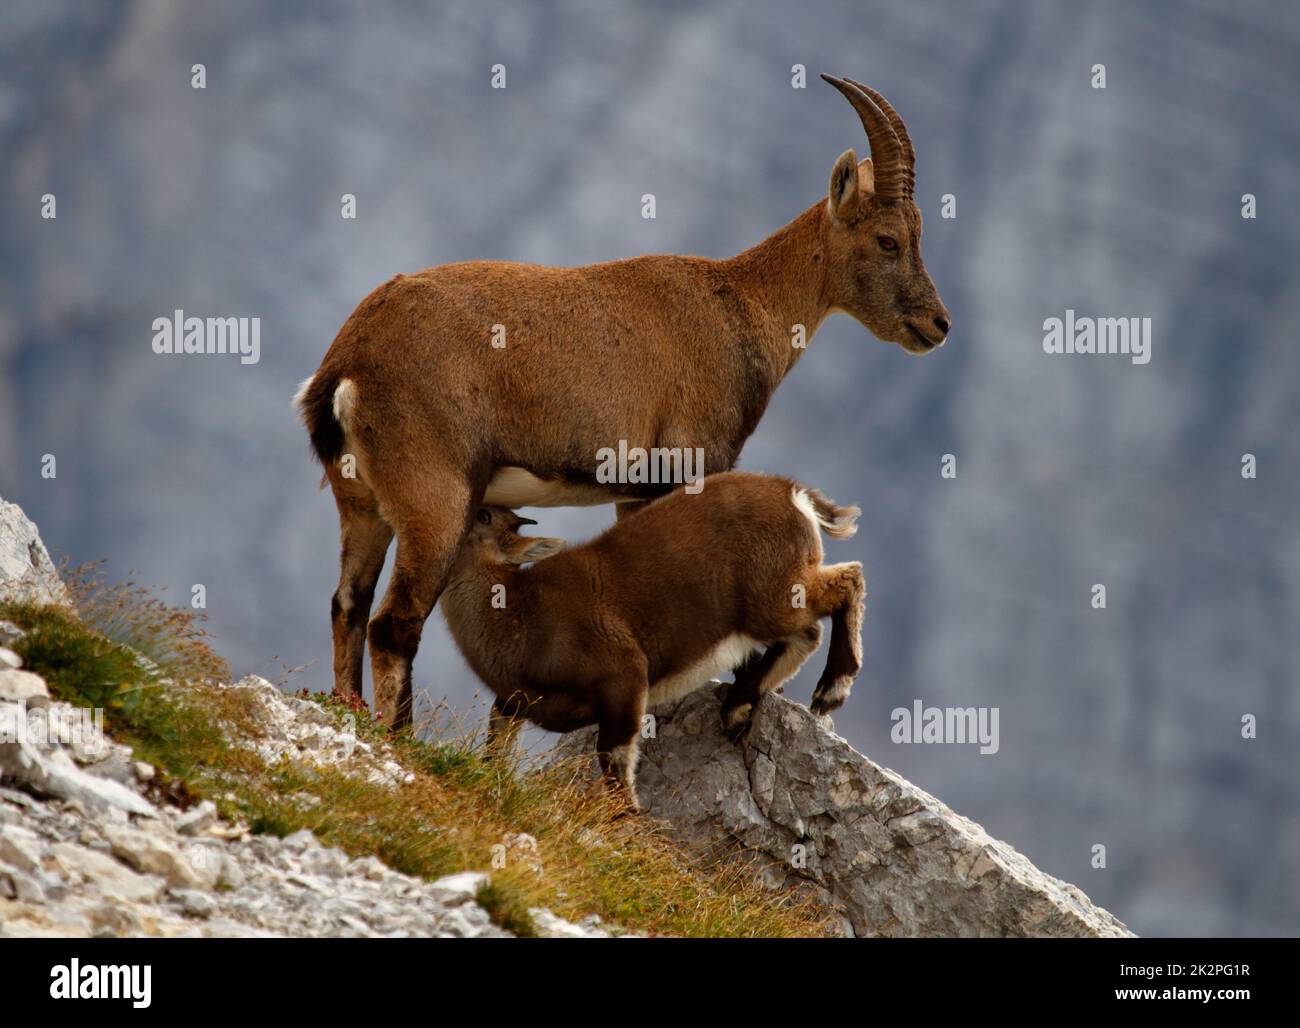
pixel 942 324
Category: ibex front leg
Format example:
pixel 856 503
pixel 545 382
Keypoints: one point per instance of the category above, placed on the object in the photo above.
pixel 617 743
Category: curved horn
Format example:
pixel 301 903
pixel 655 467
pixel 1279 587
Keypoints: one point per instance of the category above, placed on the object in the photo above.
pixel 886 150
pixel 900 130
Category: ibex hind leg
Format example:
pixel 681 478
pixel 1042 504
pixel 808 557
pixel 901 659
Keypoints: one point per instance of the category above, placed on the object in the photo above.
pixel 742 695
pixel 427 541
pixel 365 540
pixel 842 594
pixel 759 676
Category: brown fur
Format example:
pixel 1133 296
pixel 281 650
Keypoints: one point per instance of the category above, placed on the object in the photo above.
pixel 663 351
pixel 585 636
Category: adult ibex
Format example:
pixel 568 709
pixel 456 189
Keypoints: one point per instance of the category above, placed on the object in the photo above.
pixel 655 607
pixel 419 414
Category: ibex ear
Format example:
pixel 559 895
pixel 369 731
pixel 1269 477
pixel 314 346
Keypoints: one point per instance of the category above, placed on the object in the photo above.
pixel 845 191
pixel 526 549
pixel 866 177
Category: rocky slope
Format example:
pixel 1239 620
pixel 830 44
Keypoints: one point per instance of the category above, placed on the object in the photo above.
pixel 88 847
pixel 90 844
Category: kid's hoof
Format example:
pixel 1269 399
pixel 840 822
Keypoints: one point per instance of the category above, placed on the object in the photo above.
pixel 627 810
pixel 736 721
pixel 738 733
pixel 830 695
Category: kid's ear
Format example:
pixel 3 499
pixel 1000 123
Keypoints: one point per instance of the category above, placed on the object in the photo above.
pixel 525 550
pixel 844 195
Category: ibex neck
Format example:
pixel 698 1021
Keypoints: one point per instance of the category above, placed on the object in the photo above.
pixel 786 273
pixel 469 582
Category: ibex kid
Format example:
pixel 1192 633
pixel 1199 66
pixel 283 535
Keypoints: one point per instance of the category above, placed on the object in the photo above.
pixel 685 589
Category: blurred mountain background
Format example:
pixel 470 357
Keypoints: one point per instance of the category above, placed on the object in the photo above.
pixel 1119 727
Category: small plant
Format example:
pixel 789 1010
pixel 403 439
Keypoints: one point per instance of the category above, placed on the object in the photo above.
pixel 79 665
pixel 507 907
pixel 128 614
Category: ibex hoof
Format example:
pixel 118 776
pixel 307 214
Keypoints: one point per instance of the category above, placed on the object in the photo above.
pixel 736 721
pixel 830 695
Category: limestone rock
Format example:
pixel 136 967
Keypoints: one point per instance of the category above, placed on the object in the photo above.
pixel 198 820
pixel 55 774
pixel 26 572
pixel 891 859
pixel 152 854
pixel 22 687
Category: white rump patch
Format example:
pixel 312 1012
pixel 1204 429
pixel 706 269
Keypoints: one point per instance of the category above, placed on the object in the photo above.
pixel 722 658
pixel 345 399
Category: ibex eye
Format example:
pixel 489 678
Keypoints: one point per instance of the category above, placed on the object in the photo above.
pixel 484 518
pixel 887 244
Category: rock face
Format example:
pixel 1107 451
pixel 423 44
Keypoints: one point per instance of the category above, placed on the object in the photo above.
pixel 26 572
pixel 889 857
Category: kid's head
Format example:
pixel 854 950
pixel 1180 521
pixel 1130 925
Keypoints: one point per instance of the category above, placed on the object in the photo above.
pixel 493 538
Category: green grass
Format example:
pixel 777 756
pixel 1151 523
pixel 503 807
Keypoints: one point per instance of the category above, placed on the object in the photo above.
pixel 453 816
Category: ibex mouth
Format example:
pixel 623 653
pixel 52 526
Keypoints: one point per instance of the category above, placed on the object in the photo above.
pixel 922 338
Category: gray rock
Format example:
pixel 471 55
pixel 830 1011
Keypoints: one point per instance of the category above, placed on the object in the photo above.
pixel 21 848
pixel 8 658
pixel 195 903
pixel 230 875
pixel 461 886
pixel 20 886
pixel 10 633
pixel 300 841
pixel 889 857
pixel 56 775
pixel 552 926
pixel 114 921
pixel 197 820
pixel 21 686
pixel 110 877
pixel 371 867
pixel 153 854
pixel 27 575
pixel 325 861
